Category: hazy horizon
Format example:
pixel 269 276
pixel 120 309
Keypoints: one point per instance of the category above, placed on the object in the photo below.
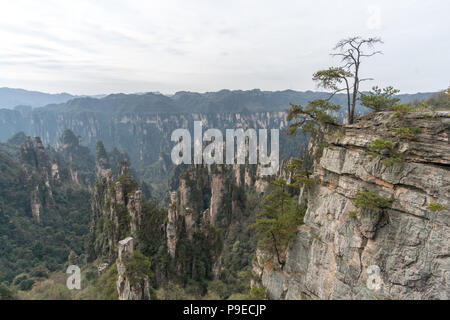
pixel 104 47
pixel 100 95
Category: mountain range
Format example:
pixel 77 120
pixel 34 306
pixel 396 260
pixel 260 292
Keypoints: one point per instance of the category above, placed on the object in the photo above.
pixel 226 100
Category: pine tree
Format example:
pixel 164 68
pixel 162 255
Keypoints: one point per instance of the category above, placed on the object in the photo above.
pixel 277 223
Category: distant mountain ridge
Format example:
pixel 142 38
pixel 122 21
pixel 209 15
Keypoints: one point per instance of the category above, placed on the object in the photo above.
pixel 182 101
pixel 222 101
pixel 10 98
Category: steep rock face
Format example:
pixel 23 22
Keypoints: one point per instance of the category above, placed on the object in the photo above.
pixel 138 134
pixel 171 228
pixel 42 170
pixel 134 208
pixel 195 192
pixel 208 230
pixel 117 208
pixel 399 252
pixel 81 163
pixel 204 193
pixel 126 288
pixel 218 189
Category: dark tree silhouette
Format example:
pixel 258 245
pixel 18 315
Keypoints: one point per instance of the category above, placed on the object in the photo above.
pixel 346 78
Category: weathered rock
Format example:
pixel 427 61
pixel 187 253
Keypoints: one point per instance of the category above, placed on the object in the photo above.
pixel 127 289
pixel 172 218
pixel 118 206
pixel 134 208
pixel 102 267
pixel 332 255
pixel 218 188
pixel 36 205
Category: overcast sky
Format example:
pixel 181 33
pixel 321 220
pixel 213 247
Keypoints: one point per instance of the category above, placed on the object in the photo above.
pixel 105 46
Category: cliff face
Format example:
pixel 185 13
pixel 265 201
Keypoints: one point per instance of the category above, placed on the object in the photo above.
pixel 137 134
pixel 401 251
pixel 127 288
pixel 48 170
pixel 208 197
pixel 37 167
pixel 208 232
pixel 117 208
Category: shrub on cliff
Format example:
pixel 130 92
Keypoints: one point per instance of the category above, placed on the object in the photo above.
pixel 365 199
pixel 406 133
pixel 401 108
pixel 436 207
pixel 385 147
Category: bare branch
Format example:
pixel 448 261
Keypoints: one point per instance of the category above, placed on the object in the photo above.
pixel 334 93
pixel 366 79
pixel 372 54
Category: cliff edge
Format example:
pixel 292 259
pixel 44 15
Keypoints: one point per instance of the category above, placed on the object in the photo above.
pixel 396 251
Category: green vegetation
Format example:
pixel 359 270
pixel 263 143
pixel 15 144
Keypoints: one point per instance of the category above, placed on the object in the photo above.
pixel 100 151
pixel 258 293
pixel 379 145
pixel 27 245
pixel 129 185
pixel 365 199
pixel 380 99
pixel 239 240
pixel 49 290
pixel 23 282
pixel 347 78
pixel 353 213
pixel 301 172
pixel 385 147
pixel 400 109
pixel 311 117
pixel 406 133
pixel 138 267
pixel 277 223
pixel 436 207
pixel 6 293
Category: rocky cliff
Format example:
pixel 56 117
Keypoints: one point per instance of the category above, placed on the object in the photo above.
pixel 208 196
pixel 127 287
pixel 47 169
pixel 208 229
pixel 116 203
pixel 396 250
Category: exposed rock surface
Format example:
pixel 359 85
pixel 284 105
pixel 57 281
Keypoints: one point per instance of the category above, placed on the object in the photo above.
pixel 126 288
pixel 172 217
pixel 46 170
pixel 117 208
pixel 134 208
pixel 333 254
pixel 203 195
pixel 218 189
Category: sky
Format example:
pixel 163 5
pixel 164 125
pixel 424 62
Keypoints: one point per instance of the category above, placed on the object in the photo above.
pixel 111 46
